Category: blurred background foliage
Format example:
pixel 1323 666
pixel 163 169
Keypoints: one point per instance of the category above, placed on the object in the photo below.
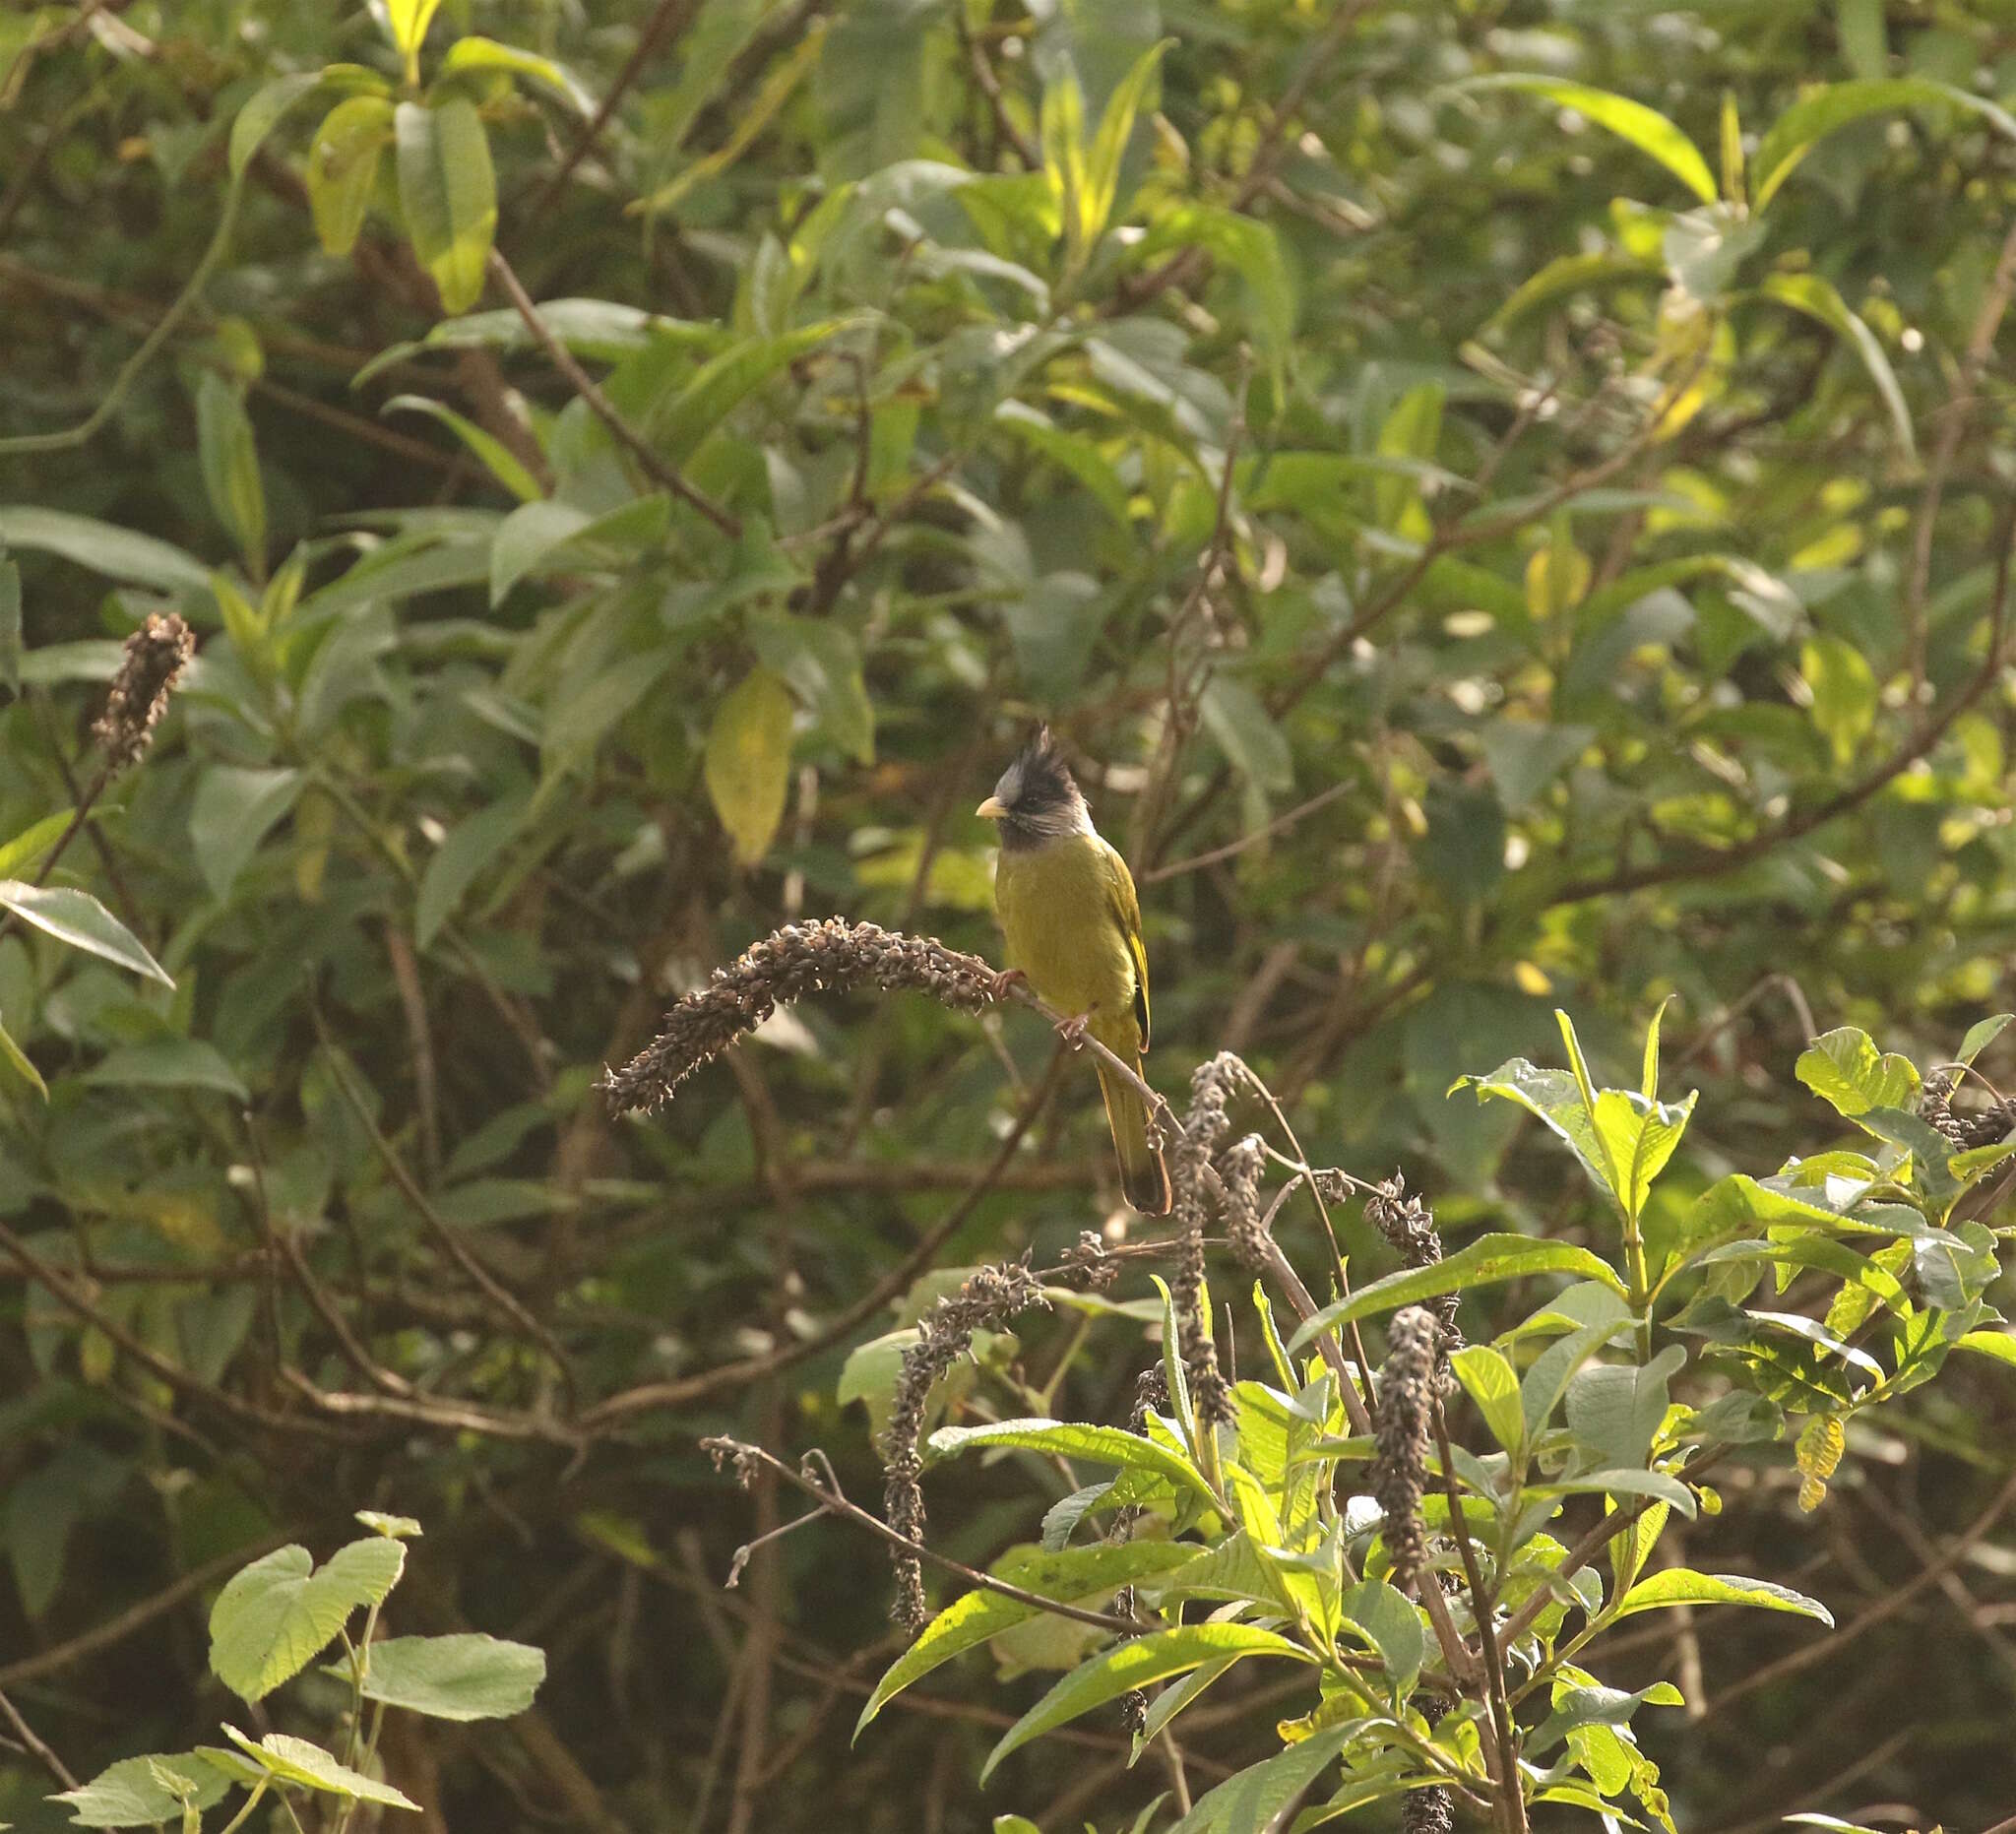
pixel 1487 549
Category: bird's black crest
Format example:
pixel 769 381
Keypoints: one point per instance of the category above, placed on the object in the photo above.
pixel 1047 779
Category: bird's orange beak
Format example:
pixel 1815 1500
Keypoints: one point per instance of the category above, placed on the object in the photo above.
pixel 993 809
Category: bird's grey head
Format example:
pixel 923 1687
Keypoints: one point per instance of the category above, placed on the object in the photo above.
pixel 1037 800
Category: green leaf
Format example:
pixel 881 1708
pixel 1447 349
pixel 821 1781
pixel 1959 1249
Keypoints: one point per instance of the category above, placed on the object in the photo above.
pixel 1638 1137
pixel 1613 1410
pixel 17 1061
pixel 1621 1482
pixel 1645 128
pixel 1493 1383
pixel 233 811
pixel 410 19
pixel 129 1795
pixel 1481 1263
pixel 31 847
pixel 1100 1445
pixel 169 1063
pixel 1570 274
pixel 822 663
pixel 342 168
pixel 1253 741
pixel 310 1767
pixel 116 554
pixel 721 383
pixel 1102 174
pixel 1070 1576
pixel 1392 1626
pixel 1241 245
pixel 77 919
pixel 1679 1584
pixel 1842 1067
pixel 448 193
pixel 262 113
pixel 230 458
pixel 279 1614
pixel 461 1676
pixel 1811 119
pixel 467 847
pixel 497 458
pixel 1256 1796
pixel 1597 1706
pixel 1819 300
pixel 1980 1036
pixel 397 1528
pixel 1555 1097
pixel 1134 1664
pixel 748 761
pixel 1997 1345
pixel 1844 693
pixel 525 539
pixel 476 54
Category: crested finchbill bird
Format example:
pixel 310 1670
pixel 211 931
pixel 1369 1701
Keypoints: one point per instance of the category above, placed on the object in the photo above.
pixel 1072 923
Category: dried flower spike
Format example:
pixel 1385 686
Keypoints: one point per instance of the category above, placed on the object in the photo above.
pixel 155 655
pixel 990 1297
pixel 798 960
pixel 1204 1128
pixel 1410 1225
pixel 1399 1469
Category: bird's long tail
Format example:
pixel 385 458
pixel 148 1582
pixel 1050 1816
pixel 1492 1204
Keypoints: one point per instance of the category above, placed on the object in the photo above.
pixel 1144 1177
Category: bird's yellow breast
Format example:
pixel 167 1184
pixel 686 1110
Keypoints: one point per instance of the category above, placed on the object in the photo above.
pixel 1062 929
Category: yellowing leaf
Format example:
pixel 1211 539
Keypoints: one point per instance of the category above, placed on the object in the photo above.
pixel 448 191
pixel 343 167
pixel 748 762
pixel 410 19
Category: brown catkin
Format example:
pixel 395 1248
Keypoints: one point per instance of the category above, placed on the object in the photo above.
pixel 990 1297
pixel 1969 1128
pixel 1430 1810
pixel 798 960
pixel 1241 1168
pixel 155 655
pixel 1205 1126
pixel 1400 1467
pixel 1410 1225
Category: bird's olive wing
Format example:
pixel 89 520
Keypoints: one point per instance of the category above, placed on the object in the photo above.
pixel 1126 909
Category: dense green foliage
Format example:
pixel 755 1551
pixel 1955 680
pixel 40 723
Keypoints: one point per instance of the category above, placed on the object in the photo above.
pixel 1491 546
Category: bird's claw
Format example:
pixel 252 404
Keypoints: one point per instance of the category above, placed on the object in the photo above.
pixel 1072 1031
pixel 1006 979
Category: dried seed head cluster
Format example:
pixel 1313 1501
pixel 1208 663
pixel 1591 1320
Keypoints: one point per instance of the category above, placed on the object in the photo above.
pixel 1969 1127
pixel 990 1297
pixel 155 655
pixel 1410 1225
pixel 1090 1262
pixel 1205 1127
pixel 1241 1168
pixel 1431 1810
pixel 1399 1469
pixel 798 960
pixel 1151 1395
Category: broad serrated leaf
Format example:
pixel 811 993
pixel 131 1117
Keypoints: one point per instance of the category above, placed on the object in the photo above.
pixel 1136 1664
pixel 1100 1445
pixel 1679 1584
pixel 1069 1575
pixel 308 1766
pixel 1482 1263
pixel 281 1612
pixel 130 1794
pixel 463 1676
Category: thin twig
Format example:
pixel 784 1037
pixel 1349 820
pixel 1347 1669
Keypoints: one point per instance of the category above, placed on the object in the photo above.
pixel 652 462
pixel 667 20
pixel 835 1503
pixel 35 1744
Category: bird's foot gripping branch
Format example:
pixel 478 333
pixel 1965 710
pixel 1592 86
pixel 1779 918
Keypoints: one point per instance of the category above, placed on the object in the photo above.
pixel 1431 1546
